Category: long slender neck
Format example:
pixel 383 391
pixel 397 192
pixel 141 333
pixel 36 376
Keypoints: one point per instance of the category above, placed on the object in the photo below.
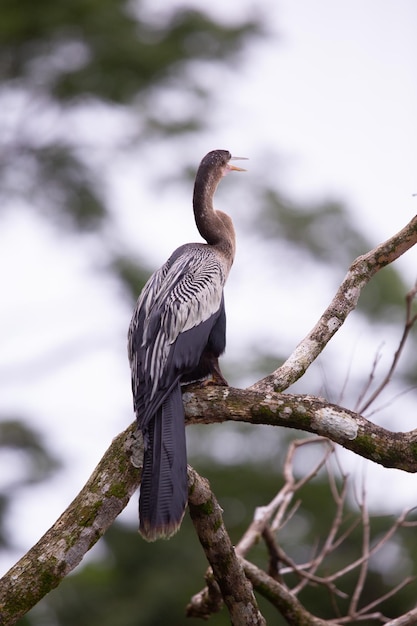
pixel 215 226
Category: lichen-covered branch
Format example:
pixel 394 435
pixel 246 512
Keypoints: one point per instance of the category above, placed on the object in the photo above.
pixel 308 413
pixel 63 546
pixel 227 569
pixel 344 302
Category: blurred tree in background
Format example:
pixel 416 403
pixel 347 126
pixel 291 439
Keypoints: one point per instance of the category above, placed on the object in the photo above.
pixel 137 71
pixel 109 58
pixel 21 448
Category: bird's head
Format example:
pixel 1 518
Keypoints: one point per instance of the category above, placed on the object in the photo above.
pixel 221 160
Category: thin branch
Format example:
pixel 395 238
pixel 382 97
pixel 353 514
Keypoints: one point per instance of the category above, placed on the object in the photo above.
pixel 282 499
pixel 363 568
pixel 354 614
pixel 369 380
pixel 274 553
pixel 306 572
pixel 327 548
pixel 391 401
pixel 410 320
pixel 360 618
pixel 398 523
pixel 392 592
pixel 292 485
pixel 344 302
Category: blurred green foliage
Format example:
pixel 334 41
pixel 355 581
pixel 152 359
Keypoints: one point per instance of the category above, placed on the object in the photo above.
pixel 108 49
pixel 57 59
pixel 28 463
pixel 131 273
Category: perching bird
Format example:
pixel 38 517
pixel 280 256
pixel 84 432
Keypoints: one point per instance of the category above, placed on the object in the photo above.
pixel 176 335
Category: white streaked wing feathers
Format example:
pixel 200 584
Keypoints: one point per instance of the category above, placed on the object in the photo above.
pixel 183 294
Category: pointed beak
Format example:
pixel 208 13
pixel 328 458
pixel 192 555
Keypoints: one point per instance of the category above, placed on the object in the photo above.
pixel 234 168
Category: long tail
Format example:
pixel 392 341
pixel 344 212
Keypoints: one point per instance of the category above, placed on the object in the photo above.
pixel 163 491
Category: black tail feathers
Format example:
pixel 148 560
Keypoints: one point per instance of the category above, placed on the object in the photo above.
pixel 163 492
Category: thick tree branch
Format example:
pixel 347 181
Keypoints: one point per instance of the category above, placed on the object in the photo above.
pixel 63 546
pixel 227 569
pixel 360 273
pixel 288 604
pixel 308 413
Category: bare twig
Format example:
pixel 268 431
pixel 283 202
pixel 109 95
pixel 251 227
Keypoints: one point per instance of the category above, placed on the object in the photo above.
pixel 328 545
pixel 274 553
pixel 369 380
pixel 360 618
pixel 410 320
pixel 283 498
pixel 392 592
pixel 391 401
pixel 398 523
pixel 306 572
pixel 307 575
pixel 363 568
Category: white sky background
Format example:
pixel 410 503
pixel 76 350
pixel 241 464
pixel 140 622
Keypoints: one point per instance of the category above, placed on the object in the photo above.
pixel 331 98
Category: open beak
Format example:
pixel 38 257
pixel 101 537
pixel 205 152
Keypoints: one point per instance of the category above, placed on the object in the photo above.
pixel 234 167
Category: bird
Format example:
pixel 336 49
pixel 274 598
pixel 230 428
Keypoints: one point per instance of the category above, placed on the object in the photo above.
pixel 176 335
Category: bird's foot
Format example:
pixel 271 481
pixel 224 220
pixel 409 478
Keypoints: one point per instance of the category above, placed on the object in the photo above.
pixel 215 378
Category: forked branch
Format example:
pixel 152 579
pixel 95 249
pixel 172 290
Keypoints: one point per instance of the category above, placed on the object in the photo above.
pixel 278 586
